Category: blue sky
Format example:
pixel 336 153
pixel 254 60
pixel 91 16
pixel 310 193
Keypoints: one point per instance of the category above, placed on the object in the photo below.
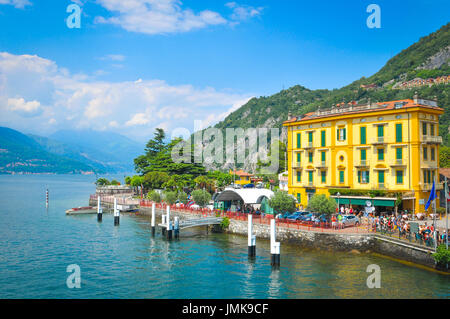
pixel 135 65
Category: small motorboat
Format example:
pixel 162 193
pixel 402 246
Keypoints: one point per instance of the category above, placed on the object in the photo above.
pixel 82 210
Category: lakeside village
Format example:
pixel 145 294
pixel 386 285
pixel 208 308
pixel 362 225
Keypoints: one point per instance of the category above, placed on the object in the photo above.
pixel 357 170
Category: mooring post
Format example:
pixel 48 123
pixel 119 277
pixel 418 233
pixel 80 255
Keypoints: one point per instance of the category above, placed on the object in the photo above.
pixel 251 240
pixel 153 218
pixel 274 246
pixel 177 227
pixel 46 198
pixel 116 213
pixel 99 209
pixel 169 224
pixel 163 222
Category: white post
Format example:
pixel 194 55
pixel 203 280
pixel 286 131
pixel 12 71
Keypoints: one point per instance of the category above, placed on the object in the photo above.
pixel 116 213
pixel 251 238
pixel 274 246
pixel 168 216
pixel 99 209
pixel 153 218
pixel 177 227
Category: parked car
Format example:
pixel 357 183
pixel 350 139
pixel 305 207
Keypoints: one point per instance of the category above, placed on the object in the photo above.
pixel 306 217
pixel 298 215
pixel 350 220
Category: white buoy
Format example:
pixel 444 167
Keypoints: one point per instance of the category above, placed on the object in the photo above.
pixel 274 246
pixel 116 213
pixel 99 209
pixel 251 238
pixel 153 218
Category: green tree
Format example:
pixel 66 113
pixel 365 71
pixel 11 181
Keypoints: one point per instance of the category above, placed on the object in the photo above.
pixel 444 157
pixel 322 204
pixel 115 182
pixel 183 197
pixel 155 180
pixel 154 196
pixel 442 256
pixel 282 202
pixel 128 180
pixel 170 197
pixel 201 197
pixel 102 182
pixel 203 182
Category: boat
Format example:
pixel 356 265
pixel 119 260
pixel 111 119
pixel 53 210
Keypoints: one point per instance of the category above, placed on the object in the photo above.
pixel 82 210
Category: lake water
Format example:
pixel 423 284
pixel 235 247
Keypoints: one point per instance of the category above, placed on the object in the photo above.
pixel 37 245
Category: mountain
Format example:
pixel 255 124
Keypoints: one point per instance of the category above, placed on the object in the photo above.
pixel 113 151
pixel 22 154
pixel 428 58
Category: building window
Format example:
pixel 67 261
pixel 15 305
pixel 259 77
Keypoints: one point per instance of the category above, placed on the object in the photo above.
pixel 323 156
pixel 310 177
pixel 433 158
pixel 431 129
pixel 323 138
pixel 424 128
pixel 363 177
pixel 425 153
pixel 381 154
pixel 342 134
pixel 398 133
pixel 363 134
pixel 399 177
pixel 310 154
pixel 363 155
pixel 310 137
pixel 399 153
pixel 299 198
pixel 324 176
pixel 341 177
pixel 380 130
pixel 381 178
pixel 299 140
pixel 299 158
pixel 299 176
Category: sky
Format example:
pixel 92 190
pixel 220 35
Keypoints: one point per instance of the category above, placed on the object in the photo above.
pixel 134 65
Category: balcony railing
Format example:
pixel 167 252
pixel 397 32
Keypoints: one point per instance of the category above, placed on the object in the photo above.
pixel 432 139
pixel 297 165
pixel 382 186
pixel 308 145
pixel 322 164
pixel 398 162
pixel 427 186
pixel 362 163
pixel 379 140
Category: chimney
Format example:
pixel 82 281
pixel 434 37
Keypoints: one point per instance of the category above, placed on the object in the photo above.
pixel 416 98
pixel 289 116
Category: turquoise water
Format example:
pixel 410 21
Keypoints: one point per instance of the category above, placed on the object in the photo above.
pixel 37 245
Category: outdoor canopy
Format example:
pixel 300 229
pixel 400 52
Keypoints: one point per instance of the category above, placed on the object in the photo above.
pixel 248 196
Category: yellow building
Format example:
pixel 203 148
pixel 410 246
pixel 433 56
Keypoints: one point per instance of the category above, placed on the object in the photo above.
pixel 241 177
pixel 391 146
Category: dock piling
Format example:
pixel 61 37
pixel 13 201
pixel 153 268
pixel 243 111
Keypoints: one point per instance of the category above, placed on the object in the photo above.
pixel 274 246
pixel 251 238
pixel 99 209
pixel 46 198
pixel 116 213
pixel 177 227
pixel 153 218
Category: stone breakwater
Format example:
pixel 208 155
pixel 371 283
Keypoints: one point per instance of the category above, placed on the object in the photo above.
pixel 328 241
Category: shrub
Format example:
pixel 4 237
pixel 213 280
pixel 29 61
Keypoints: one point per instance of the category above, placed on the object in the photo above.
pixel 154 196
pixel 170 197
pixel 225 223
pixel 201 197
pixel 322 204
pixel 183 198
pixel 282 202
pixel 442 256
pixel 440 211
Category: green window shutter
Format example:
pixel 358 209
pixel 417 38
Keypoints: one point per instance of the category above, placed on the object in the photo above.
pixel 380 131
pixel 398 133
pixel 337 134
pixel 323 138
pixel 381 177
pixel 368 176
pixel 310 176
pixel 345 134
pixel 323 156
pixel 299 176
pixel 299 140
pixel 298 158
pixel 310 137
pixel 399 177
pixel 381 154
pixel 363 131
pixel 425 153
pixel 399 153
pixel 424 128
pixel 299 198
pixel 359 177
pixel 432 154
pixel 341 177
pixel 310 157
pixel 431 129
pixel 363 155
pixel 324 177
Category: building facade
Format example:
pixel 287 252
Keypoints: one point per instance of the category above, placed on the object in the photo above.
pixel 390 146
pixel 241 178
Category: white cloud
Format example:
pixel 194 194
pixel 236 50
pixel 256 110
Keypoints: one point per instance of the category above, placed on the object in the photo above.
pixel 21 106
pixel 38 87
pixel 20 4
pixel 168 16
pixel 113 57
